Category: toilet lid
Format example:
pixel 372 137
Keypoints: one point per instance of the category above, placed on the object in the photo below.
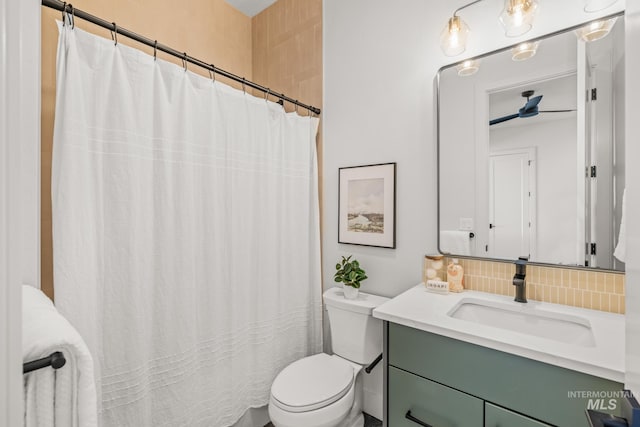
pixel 312 383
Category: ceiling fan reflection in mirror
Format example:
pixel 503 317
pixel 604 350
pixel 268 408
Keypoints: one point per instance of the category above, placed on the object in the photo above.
pixel 530 109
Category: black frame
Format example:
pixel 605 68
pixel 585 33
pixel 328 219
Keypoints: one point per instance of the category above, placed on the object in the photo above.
pixel 393 224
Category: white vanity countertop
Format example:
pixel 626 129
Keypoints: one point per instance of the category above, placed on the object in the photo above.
pixel 427 311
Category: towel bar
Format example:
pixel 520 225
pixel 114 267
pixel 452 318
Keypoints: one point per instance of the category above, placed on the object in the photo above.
pixel 55 360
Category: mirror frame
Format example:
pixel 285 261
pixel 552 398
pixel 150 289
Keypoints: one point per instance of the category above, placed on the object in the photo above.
pixel 438 181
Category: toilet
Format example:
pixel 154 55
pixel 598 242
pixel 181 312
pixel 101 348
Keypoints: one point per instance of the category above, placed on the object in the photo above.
pixel 326 390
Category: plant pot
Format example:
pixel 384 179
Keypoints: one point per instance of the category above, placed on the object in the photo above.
pixel 350 292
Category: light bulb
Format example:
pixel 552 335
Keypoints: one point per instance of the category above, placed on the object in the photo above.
pixel 524 51
pixel 595 30
pixel 453 38
pixel 517 16
pixel 468 67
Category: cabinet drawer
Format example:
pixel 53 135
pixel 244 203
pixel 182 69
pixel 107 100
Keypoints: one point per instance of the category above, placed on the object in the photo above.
pixel 533 388
pixel 432 403
pixel 494 416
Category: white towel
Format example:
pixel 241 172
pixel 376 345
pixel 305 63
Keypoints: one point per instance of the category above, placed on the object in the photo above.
pixel 621 248
pixel 58 398
pixel 455 242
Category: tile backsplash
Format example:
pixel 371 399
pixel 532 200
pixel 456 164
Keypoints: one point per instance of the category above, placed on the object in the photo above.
pixel 580 288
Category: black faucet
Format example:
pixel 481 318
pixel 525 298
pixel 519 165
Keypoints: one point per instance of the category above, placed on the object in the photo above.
pixel 519 279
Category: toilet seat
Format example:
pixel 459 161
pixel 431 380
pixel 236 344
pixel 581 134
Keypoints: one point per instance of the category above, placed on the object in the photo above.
pixel 312 383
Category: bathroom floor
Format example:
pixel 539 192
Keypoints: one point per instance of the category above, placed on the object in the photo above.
pixel 369 421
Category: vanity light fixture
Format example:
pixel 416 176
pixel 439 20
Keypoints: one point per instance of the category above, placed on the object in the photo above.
pixel 517 16
pixel 468 67
pixel 453 38
pixel 597 5
pixel 524 51
pixel 596 30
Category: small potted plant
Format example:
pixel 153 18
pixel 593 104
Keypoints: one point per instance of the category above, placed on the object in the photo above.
pixel 350 274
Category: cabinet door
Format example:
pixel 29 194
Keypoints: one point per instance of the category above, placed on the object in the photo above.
pixel 414 401
pixel 494 416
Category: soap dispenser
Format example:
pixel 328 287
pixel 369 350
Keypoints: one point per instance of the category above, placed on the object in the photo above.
pixel 455 275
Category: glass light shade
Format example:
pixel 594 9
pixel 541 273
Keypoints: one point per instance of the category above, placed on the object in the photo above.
pixel 596 5
pixel 468 67
pixel 517 16
pixel 524 51
pixel 595 30
pixel 453 39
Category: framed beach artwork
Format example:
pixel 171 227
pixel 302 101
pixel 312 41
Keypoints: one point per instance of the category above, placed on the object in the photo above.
pixel 367 205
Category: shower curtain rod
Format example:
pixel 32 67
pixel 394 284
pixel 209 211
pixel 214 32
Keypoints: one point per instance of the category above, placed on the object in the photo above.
pixel 114 28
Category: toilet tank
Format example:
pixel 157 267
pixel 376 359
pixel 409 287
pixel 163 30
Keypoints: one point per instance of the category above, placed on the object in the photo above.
pixel 355 334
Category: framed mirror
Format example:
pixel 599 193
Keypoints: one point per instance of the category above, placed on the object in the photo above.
pixel 531 152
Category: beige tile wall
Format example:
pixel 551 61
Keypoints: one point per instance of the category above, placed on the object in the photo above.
pixel 586 289
pixel 287 57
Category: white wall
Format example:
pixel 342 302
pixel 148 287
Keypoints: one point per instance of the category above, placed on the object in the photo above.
pixel 555 144
pixel 378 108
pixel 19 188
pixel 632 109
pixel 619 136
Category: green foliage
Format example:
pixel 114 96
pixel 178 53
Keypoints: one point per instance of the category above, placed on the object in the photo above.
pixel 349 272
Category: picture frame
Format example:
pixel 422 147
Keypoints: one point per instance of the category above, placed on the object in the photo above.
pixel 367 205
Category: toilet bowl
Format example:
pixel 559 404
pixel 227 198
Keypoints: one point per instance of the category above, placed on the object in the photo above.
pixel 317 391
pixel 326 390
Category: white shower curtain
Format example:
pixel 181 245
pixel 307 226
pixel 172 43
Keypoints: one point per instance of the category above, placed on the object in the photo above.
pixel 186 235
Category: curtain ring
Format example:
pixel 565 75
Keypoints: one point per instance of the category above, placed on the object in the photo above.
pixel 243 87
pixel 64 17
pixel 155 50
pixel 212 73
pixel 266 94
pixel 184 61
pixel 73 17
pixel 114 33
pixel 296 106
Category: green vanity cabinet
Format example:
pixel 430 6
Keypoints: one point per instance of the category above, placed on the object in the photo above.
pixel 495 416
pixel 512 387
pixel 430 402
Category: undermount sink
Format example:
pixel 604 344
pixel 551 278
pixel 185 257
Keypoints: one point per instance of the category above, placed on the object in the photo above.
pixel 526 319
